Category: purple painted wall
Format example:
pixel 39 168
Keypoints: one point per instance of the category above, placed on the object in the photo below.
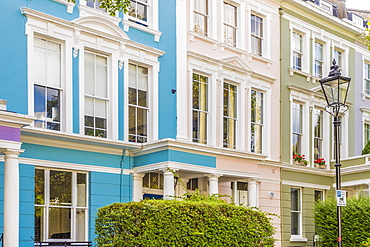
pixel 10 134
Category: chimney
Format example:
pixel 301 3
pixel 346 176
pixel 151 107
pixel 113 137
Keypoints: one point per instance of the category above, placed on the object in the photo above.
pixel 2 104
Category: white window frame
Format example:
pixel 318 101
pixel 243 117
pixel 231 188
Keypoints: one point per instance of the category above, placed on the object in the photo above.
pixel 297 237
pixel 152 22
pixel 205 15
pixel 64 38
pixel 260 38
pixel 316 60
pixel 73 207
pixel 236 118
pixel 262 124
pixel 299 53
pixel 365 120
pixel 152 101
pixel 198 110
pixel 319 138
pixel 366 76
pixel 236 27
pixel 296 26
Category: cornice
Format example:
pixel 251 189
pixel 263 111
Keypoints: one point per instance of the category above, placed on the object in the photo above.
pixel 90 31
pixel 16 120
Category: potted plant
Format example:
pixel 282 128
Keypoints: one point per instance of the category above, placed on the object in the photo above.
pixel 300 160
pixel 320 163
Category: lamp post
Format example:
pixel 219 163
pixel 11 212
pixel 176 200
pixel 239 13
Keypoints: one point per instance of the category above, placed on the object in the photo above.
pixel 335 88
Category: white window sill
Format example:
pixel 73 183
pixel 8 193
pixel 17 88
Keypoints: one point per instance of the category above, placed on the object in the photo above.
pixel 127 24
pixel 299 72
pixel 69 5
pixel 297 239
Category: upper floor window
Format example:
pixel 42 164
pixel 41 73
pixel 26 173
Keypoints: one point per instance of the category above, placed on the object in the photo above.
pixel 200 108
pixel 297 128
pixel 96 94
pixel 366 133
pixel 319 61
pixel 296 211
pixel 256 121
pixel 201 17
pixel 338 56
pixel 95 4
pixel 318 133
pixel 47 83
pixel 230 24
pixel 229 115
pixel 367 78
pixel 257 34
pixel 61 208
pixel 297 51
pixel 138 11
pixel 138 103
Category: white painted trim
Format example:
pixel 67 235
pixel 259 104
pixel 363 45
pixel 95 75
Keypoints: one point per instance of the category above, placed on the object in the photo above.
pixel 305 185
pixel 68 4
pixel 354 182
pixel 71 166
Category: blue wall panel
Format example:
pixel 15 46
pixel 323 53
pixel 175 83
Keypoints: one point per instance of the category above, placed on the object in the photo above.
pixel 176 156
pixel 26 195
pixel 76 92
pixel 105 189
pixel 71 156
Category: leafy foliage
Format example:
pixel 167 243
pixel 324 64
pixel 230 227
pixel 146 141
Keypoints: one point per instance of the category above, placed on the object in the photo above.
pixel 367 35
pixel 112 6
pixel 193 222
pixel 355 222
pixel 366 149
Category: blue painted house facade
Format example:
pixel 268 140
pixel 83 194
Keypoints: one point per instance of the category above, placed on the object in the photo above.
pixel 80 90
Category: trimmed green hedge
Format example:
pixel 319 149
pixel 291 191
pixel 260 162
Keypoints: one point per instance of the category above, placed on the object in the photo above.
pixel 182 223
pixel 355 222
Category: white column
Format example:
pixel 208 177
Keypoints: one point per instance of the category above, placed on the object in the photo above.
pixel 168 185
pixel 11 198
pixel 252 193
pixel 137 194
pixel 213 184
pixel 181 187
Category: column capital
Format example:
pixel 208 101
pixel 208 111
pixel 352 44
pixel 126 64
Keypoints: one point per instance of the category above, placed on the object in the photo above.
pixel 253 180
pixel 137 175
pixel 11 152
pixel 213 175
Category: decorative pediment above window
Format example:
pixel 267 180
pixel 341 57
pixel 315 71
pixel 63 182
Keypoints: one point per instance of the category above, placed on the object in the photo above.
pixel 102 25
pixel 237 62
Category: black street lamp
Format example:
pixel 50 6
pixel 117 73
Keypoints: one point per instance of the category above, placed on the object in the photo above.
pixel 335 88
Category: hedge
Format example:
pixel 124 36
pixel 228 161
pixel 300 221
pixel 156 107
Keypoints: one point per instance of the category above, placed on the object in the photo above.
pixel 182 223
pixel 355 222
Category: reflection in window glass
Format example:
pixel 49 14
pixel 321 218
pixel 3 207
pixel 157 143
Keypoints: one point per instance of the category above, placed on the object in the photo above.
pixel 295 209
pixel 138 11
pixel 297 128
pixel 201 17
pixel 230 115
pixel 257 34
pixel 256 121
pixel 200 108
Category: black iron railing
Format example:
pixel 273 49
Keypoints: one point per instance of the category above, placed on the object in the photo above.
pixel 1 239
pixel 64 244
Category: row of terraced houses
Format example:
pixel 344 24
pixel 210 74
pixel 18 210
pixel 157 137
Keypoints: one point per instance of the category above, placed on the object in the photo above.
pixel 95 108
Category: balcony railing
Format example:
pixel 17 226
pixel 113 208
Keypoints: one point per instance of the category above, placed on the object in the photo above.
pixel 64 244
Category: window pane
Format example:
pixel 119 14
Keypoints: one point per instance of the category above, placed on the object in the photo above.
pixel 60 188
pixel 39 102
pixel 39 187
pixel 89 106
pixel 295 199
pixel 101 81
pixel 89 76
pixel 39 223
pixel 142 100
pixel 53 104
pixel 59 223
pixel 40 64
pixel 80 224
pixel 132 96
pixel 81 190
pixel 53 66
pixel 295 221
pixel 100 108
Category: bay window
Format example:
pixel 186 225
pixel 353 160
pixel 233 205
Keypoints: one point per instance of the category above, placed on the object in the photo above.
pixel 60 205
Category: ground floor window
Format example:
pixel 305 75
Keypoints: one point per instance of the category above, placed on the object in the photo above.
pixel 296 211
pixel 240 193
pixel 60 205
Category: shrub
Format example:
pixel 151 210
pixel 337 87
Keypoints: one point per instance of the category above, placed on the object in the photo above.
pixel 182 223
pixel 366 149
pixel 355 221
